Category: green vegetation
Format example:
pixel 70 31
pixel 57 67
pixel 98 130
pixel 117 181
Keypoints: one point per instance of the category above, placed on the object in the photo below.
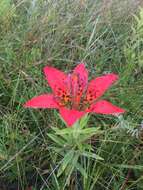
pixel 61 33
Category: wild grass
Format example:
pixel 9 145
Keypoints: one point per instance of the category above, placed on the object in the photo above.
pixel 60 33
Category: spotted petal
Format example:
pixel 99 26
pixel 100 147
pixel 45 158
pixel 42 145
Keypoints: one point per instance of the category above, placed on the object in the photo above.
pixel 98 86
pixel 70 116
pixel 79 81
pixel 56 80
pixel 42 101
pixel 82 73
pixel 105 107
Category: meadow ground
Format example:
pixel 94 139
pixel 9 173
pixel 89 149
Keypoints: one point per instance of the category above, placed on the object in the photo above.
pixel 108 37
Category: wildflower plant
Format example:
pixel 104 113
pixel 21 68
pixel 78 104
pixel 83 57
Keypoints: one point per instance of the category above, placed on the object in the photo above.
pixel 75 98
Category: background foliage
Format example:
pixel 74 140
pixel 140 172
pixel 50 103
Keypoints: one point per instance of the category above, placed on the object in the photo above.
pixel 107 36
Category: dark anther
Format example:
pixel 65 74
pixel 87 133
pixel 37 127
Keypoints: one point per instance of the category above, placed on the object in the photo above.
pixel 63 95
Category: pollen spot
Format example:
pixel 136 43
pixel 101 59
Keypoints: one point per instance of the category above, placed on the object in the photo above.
pixel 89 97
pixel 74 78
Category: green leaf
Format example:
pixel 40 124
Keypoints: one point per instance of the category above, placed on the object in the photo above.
pixel 57 150
pixel 88 133
pixel 64 131
pixel 81 169
pixel 83 121
pixel 71 167
pixel 65 134
pixel 57 139
pixel 92 155
pixel 91 131
pixel 66 160
pixel 83 138
pixel 136 167
pixel 55 181
pixel 88 147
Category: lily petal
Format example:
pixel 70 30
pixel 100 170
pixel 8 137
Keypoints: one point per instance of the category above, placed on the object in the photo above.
pixel 56 80
pixel 71 116
pixel 79 81
pixel 82 72
pixel 99 85
pixel 105 107
pixel 42 101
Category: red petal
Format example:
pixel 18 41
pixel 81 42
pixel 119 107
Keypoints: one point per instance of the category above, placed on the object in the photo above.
pixel 42 101
pixel 79 85
pixel 105 107
pixel 82 72
pixel 70 116
pixel 98 86
pixel 56 80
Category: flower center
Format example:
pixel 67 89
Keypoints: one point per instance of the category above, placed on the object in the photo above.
pixel 75 95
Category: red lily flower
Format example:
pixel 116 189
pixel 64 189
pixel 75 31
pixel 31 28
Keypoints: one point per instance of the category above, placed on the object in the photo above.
pixel 73 96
